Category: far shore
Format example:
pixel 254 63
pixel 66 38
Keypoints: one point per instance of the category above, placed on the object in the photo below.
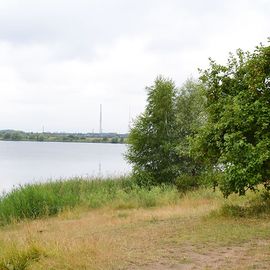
pixel 104 137
pixel 55 141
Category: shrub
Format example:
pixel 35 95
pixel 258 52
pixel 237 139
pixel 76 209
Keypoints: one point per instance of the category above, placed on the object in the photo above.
pixel 258 206
pixel 187 182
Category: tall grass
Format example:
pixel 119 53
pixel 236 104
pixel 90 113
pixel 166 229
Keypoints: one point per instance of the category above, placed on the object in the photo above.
pixel 16 258
pixel 45 199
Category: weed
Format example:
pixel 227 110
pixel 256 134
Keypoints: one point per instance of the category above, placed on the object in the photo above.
pixel 15 258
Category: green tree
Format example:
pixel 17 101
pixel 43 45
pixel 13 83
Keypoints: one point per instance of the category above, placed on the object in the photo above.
pixel 17 136
pixel 115 140
pixel 236 136
pixel 153 138
pixel 190 116
pixel 7 136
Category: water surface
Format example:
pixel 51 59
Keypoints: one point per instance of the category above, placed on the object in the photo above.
pixel 26 162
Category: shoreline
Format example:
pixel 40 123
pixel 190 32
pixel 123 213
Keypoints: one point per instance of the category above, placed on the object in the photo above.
pixel 55 141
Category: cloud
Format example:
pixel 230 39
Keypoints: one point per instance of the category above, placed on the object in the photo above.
pixel 60 59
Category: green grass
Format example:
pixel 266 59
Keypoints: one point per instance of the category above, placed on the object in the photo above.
pixel 46 199
pixel 38 200
pixel 16 258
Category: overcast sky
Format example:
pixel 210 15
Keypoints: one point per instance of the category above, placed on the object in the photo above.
pixel 61 59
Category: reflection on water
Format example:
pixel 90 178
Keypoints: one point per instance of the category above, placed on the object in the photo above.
pixel 25 162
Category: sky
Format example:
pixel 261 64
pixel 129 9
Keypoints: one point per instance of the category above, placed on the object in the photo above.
pixel 61 59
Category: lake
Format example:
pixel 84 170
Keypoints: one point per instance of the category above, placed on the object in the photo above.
pixel 27 162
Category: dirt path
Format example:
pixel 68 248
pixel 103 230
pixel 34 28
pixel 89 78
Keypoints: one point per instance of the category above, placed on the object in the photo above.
pixel 249 255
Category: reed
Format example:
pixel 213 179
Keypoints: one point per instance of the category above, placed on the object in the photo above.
pixel 38 200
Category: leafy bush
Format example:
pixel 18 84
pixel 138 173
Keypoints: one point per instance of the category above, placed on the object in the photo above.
pixel 256 207
pixel 187 182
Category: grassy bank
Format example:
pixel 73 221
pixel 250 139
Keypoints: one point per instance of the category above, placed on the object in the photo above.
pixel 114 224
pixel 201 230
pixel 43 200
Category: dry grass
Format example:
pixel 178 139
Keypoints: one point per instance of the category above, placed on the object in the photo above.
pixel 181 236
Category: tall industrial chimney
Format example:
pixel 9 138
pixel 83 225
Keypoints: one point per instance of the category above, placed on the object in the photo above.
pixel 100 119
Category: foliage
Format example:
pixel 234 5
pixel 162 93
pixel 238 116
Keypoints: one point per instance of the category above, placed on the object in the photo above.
pixel 236 137
pixel 186 182
pixel 253 205
pixel 205 179
pixel 190 116
pixel 153 138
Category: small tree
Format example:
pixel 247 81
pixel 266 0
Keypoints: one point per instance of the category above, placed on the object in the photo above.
pixel 153 138
pixel 236 136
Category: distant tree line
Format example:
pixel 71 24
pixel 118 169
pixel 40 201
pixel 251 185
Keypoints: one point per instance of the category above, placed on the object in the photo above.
pixel 14 135
pixel 214 130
